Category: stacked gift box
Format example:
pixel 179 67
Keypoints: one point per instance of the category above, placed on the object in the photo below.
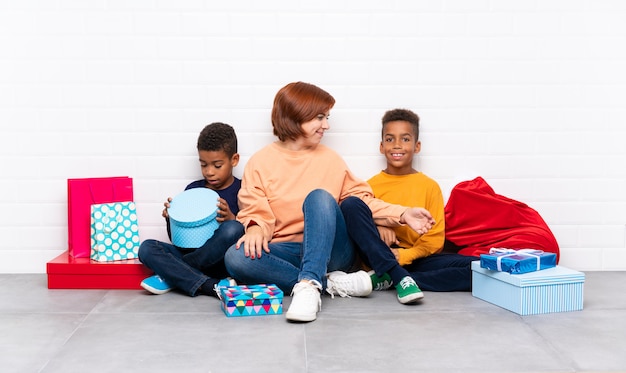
pixel 527 282
pixel 102 238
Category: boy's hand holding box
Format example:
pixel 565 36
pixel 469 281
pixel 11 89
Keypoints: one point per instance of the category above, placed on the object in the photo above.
pixel 517 261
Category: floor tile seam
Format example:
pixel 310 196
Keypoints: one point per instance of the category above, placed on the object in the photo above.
pixel 62 346
pixel 305 349
pixel 563 356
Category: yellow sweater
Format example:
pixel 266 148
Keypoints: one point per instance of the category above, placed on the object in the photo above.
pixel 415 190
pixel 276 181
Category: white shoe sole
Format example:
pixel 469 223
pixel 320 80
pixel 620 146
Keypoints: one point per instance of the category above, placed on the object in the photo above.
pixel 300 317
pixel 154 290
pixel 412 298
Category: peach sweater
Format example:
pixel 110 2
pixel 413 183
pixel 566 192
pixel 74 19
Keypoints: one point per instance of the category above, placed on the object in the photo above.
pixel 276 181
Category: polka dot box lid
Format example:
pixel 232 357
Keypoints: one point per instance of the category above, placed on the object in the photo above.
pixel 192 217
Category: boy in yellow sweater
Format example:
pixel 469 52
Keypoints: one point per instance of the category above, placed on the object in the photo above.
pixel 401 184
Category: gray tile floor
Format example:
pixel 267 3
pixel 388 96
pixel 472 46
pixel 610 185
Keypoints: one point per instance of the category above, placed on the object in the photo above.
pixel 51 331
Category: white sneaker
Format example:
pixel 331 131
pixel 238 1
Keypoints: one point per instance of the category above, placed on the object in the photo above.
pixel 358 284
pixel 305 302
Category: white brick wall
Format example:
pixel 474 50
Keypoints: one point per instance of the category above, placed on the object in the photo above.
pixel 530 95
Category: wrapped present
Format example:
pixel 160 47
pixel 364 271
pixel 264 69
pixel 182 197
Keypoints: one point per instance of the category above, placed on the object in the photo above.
pixel 67 272
pixel 556 289
pixel 193 216
pixel 114 231
pixel 251 300
pixel 517 261
pixel 81 194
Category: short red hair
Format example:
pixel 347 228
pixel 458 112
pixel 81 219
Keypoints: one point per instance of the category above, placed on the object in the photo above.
pixel 295 104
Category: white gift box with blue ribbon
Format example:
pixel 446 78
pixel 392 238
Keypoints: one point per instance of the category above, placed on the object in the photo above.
pixel 192 216
pixel 556 289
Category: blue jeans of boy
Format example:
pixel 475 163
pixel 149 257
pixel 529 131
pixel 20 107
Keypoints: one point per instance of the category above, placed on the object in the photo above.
pixel 326 247
pixel 438 272
pixel 188 269
pixel 364 233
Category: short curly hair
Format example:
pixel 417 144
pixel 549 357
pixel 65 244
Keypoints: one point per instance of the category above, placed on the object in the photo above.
pixel 218 136
pixel 405 115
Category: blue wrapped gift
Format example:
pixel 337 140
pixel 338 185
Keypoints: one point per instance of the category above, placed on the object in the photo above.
pixel 517 261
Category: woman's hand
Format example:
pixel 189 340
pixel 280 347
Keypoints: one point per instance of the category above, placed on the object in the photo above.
pixel 418 218
pixel 223 211
pixel 254 242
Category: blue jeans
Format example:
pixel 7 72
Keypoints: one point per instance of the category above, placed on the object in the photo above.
pixel 188 269
pixel 443 272
pixel 326 247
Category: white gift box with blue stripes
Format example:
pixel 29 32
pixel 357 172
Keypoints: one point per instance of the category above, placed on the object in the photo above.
pixel 556 289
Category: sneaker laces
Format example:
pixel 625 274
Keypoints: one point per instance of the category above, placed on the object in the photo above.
pixel 383 285
pixel 216 289
pixel 310 289
pixel 217 286
pixel 338 287
pixel 406 282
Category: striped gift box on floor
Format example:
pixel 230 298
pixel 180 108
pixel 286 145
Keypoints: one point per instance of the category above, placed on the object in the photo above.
pixel 557 289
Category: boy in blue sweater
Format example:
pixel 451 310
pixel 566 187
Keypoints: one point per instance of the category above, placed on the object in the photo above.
pixel 201 270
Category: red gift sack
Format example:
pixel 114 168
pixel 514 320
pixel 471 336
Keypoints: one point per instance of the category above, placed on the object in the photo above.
pixel 81 194
pixel 478 219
